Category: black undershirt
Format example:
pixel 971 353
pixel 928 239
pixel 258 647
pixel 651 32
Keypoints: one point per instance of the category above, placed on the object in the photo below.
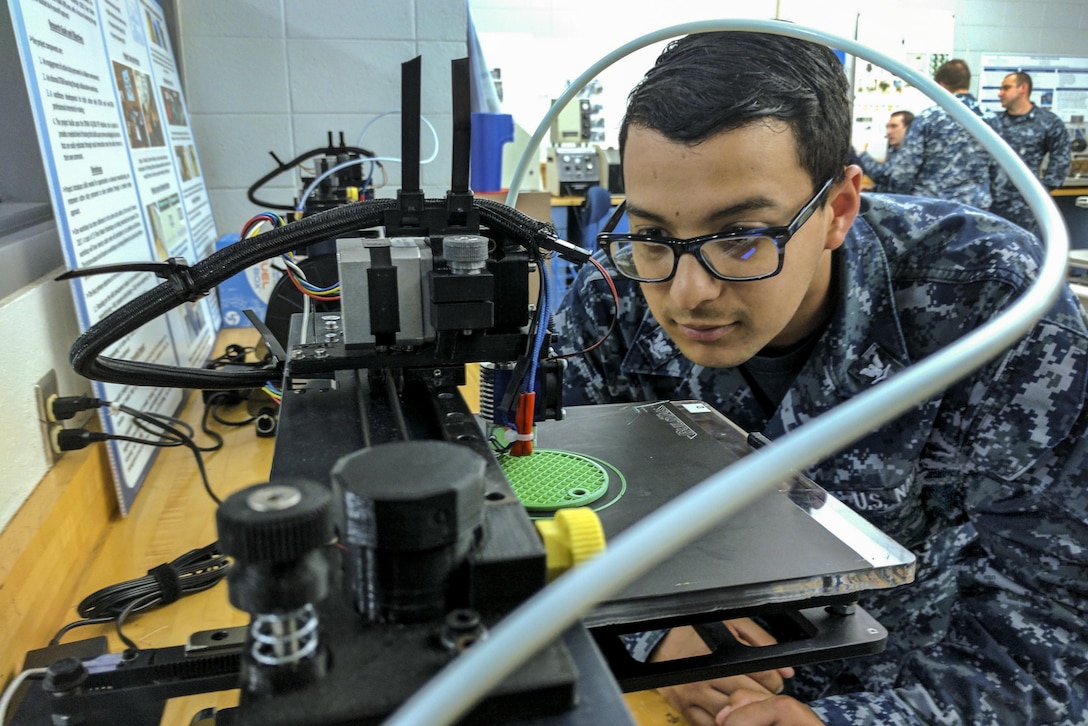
pixel 770 375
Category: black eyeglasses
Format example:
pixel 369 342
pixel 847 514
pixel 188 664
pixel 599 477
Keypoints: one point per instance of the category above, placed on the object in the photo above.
pixel 751 254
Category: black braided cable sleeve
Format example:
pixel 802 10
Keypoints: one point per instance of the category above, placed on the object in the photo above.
pixel 530 232
pixel 86 352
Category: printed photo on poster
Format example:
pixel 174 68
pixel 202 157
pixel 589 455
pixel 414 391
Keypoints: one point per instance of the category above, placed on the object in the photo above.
pixel 173 107
pixel 154 29
pixel 138 107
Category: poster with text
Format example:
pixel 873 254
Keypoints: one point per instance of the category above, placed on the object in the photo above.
pixel 126 186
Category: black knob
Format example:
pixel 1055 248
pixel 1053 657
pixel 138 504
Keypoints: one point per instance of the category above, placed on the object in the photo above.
pixel 64 675
pixel 275 522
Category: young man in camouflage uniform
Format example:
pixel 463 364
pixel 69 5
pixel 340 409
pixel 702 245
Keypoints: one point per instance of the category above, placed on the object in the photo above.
pixel 939 158
pixel 1034 133
pixel 732 133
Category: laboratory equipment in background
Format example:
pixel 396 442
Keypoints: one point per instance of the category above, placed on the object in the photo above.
pixel 574 160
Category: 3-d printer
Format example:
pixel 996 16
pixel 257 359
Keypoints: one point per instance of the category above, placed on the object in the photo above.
pixel 377 450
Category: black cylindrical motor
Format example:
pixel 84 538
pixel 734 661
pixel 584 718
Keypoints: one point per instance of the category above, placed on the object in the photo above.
pixel 411 512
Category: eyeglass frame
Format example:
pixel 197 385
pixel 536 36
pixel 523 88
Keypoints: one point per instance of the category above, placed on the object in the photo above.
pixel 780 235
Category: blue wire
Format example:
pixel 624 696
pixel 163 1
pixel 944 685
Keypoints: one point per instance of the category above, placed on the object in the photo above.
pixel 541 323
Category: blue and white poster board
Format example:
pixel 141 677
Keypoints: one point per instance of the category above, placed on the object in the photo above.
pixel 125 182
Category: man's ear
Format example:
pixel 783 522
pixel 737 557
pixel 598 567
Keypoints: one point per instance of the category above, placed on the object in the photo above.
pixel 844 201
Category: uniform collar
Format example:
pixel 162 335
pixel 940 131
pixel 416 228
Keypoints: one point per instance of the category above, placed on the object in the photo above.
pixel 1030 113
pixel 864 343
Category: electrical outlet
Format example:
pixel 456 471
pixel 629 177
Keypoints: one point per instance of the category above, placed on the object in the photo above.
pixel 45 389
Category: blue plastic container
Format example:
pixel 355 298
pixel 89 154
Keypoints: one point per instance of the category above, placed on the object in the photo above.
pixel 489 132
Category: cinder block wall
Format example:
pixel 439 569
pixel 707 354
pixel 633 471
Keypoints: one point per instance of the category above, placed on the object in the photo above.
pixel 277 75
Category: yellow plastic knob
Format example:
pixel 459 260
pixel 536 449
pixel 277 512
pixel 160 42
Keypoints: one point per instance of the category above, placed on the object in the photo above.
pixel 570 538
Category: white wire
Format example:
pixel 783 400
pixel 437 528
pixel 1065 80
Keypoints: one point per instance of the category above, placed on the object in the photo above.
pixel 368 124
pixel 294 267
pixel 434 134
pixel 354 162
pixel 9 692
pixel 307 307
pixel 543 618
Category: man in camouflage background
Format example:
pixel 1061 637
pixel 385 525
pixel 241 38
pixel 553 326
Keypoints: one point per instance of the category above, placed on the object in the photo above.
pixel 939 158
pixel 1034 133
pixel 734 133
pixel 897 127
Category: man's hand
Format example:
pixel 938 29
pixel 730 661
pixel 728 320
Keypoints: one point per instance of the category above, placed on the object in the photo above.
pixel 754 708
pixel 701 702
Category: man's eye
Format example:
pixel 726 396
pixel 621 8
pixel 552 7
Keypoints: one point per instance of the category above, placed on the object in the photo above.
pixel 651 232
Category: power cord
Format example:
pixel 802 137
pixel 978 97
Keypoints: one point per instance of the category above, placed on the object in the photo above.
pixel 195 571
pixel 9 692
pixel 263 403
pixel 264 421
pixel 172 431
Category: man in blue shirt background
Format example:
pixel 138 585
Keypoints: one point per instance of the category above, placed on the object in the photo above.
pixel 1036 134
pixel 897 127
pixel 939 158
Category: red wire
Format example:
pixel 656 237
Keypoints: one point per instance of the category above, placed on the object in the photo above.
pixel 611 323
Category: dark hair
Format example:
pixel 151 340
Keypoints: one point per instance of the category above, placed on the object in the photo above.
pixel 907 116
pixel 707 83
pixel 1022 78
pixel 954 74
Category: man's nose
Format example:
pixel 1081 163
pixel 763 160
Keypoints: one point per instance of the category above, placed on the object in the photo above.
pixel 693 284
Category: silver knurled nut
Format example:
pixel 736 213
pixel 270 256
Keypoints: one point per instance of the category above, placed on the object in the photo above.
pixel 465 248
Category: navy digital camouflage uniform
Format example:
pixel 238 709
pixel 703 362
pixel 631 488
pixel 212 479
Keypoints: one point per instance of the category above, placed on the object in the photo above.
pixel 1033 135
pixel 878 171
pixel 940 159
pixel 984 483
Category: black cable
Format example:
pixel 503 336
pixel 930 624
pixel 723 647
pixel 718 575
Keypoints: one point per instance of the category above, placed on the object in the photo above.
pixel 173 421
pixel 233 353
pixel 195 571
pixel 161 443
pixel 85 354
pixel 73 439
pixel 214 435
pixel 151 427
pixel 227 422
pixel 329 150
pixel 77 624
pixel 234 356
pixel 170 435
